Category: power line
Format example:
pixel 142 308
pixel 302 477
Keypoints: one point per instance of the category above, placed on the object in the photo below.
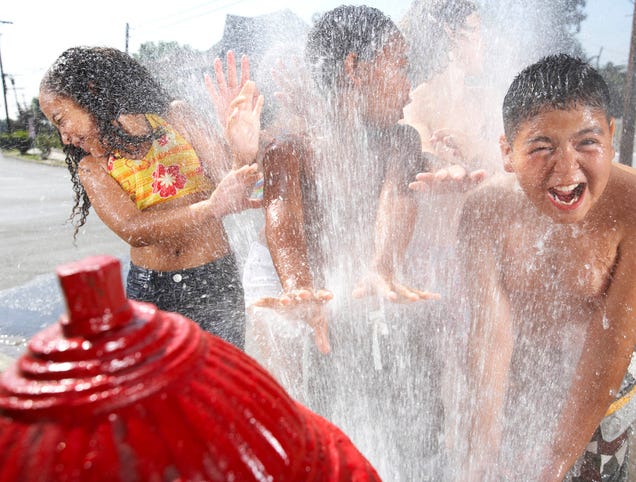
pixel 176 14
pixel 157 24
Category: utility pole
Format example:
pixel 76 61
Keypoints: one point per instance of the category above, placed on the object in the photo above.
pixel 629 108
pixel 127 35
pixel 4 90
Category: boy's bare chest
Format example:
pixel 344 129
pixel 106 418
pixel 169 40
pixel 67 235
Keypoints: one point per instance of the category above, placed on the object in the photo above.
pixel 559 265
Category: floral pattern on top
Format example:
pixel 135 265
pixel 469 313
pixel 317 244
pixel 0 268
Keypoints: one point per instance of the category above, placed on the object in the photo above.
pixel 169 169
pixel 167 180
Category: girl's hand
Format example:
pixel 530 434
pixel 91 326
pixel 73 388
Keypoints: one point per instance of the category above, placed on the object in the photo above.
pixel 225 90
pixel 243 127
pixel 233 193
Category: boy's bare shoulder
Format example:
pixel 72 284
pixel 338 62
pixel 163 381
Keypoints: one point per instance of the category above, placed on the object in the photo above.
pixel 493 203
pixel 626 177
pixel 287 141
pixel 621 195
pixel 287 153
pixel 497 190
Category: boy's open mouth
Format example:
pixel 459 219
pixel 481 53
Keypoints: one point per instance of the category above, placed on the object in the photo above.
pixel 567 196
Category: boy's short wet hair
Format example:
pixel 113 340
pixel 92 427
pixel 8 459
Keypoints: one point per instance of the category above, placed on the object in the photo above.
pixel 555 82
pixel 361 30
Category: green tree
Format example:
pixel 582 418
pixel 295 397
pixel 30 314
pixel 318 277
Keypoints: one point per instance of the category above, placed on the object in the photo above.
pixel 46 136
pixel 616 78
pixel 537 28
pixel 178 68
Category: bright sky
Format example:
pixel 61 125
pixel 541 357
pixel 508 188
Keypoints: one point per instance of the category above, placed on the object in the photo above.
pixel 42 29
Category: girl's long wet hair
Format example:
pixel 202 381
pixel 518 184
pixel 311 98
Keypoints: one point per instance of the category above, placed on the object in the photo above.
pixel 107 83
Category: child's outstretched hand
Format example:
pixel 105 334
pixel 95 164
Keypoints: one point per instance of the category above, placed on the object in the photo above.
pixel 447 145
pixel 377 285
pixel 307 305
pixel 452 179
pixel 243 127
pixel 238 107
pixel 233 193
pixel 224 90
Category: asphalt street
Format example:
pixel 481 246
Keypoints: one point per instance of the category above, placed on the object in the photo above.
pixel 35 237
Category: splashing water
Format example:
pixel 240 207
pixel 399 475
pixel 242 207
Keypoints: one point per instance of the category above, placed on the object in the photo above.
pixel 395 381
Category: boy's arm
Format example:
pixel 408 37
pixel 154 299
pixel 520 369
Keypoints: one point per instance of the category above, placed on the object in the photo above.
pixel 284 216
pixel 606 354
pixel 395 217
pixel 395 220
pixel 491 339
pixel 285 234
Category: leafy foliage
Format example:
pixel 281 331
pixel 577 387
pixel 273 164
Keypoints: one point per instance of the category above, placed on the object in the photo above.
pixel 19 140
pixel 616 78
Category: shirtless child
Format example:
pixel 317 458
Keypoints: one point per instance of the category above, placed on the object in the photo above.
pixel 550 255
pixel 362 72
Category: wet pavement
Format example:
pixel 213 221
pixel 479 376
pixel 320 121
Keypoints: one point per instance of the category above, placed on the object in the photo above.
pixel 35 238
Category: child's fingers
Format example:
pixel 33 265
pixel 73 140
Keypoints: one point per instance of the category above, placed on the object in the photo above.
pixel 321 338
pixel 232 81
pixel 258 108
pixel 478 176
pixel 267 302
pixel 221 83
pixel 241 99
pixel 249 92
pixel 419 186
pixel 403 293
pixel 424 176
pixel 425 295
pixel 456 172
pixel 211 88
pixel 245 69
pixel 323 295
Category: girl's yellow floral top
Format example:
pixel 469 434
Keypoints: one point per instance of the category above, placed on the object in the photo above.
pixel 170 169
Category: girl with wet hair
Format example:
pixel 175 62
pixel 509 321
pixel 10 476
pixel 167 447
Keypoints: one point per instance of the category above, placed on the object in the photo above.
pixel 156 177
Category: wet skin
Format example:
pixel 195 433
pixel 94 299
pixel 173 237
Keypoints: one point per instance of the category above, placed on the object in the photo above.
pixel 77 126
pixel 559 252
pixel 562 159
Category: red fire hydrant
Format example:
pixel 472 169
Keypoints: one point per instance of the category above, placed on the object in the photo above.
pixel 120 391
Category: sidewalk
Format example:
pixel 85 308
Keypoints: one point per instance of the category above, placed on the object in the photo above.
pixel 55 158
